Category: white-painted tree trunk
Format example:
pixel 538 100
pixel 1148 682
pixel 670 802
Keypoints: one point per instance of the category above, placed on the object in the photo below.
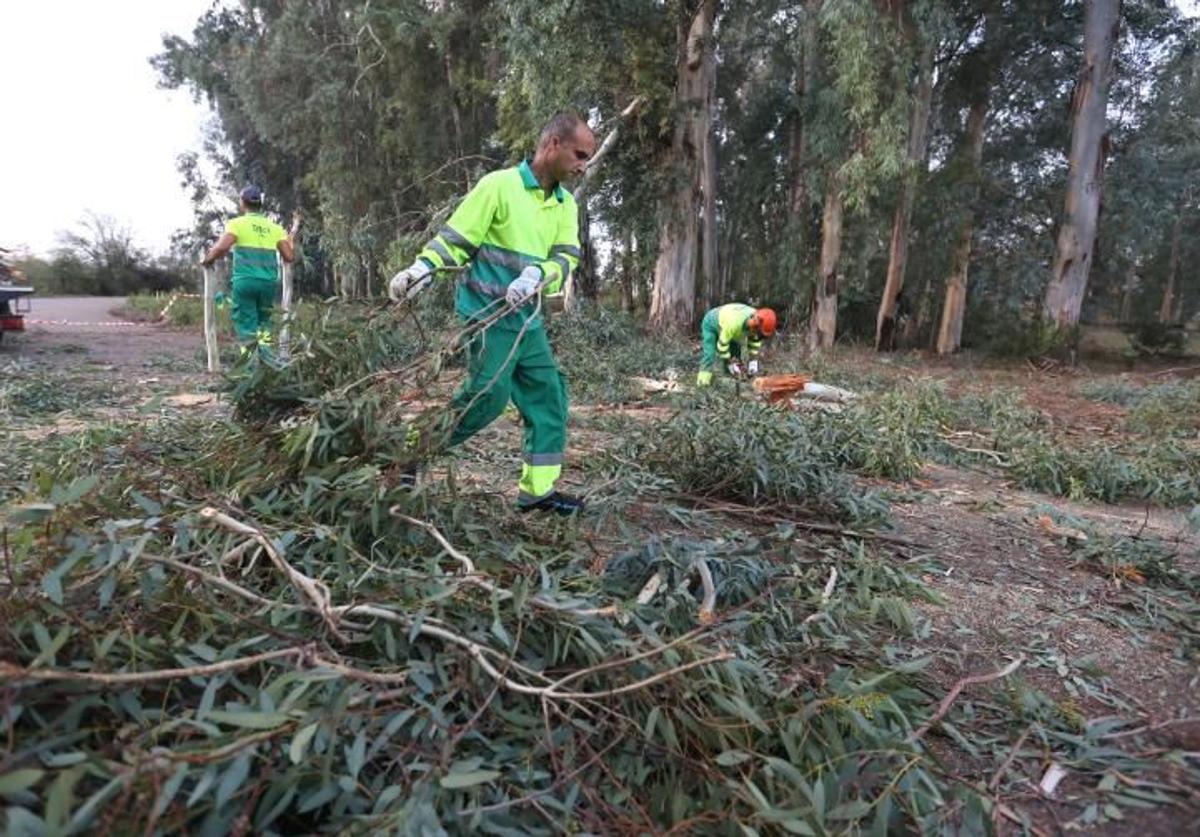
pixel 210 321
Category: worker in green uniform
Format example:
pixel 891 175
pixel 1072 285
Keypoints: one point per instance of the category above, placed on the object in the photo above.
pixel 254 240
pixel 517 234
pixel 722 333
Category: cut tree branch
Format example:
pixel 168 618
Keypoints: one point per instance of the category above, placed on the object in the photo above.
pixel 606 146
pixel 949 699
pixel 316 591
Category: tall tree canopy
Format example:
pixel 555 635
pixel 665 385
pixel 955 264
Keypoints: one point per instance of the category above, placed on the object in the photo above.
pixel 886 170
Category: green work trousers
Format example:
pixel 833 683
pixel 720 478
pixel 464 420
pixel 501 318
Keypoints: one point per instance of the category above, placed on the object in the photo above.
pixel 253 300
pixel 504 365
pixel 710 332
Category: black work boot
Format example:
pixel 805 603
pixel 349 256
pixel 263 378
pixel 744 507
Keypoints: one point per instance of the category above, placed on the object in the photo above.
pixel 407 478
pixel 556 502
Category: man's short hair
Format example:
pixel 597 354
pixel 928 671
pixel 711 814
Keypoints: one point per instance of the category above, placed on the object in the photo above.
pixel 561 125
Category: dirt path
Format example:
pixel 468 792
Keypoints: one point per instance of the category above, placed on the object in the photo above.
pixel 62 332
pixel 52 311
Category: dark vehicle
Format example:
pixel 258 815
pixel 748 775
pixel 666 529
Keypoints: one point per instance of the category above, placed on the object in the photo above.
pixel 14 296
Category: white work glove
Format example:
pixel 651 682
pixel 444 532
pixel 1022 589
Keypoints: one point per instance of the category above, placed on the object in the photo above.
pixel 735 369
pixel 752 368
pixel 524 286
pixel 411 281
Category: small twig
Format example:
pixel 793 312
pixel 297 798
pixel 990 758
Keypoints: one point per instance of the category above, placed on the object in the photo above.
pixel 473 577
pixel 1145 521
pixel 12 579
pixel 8 671
pixel 642 684
pixel 239 550
pixel 1012 756
pixel 1011 815
pixel 477 652
pixel 223 583
pixel 949 699
pixel 467 564
pixel 352 673
pixel 1150 728
pixel 650 590
pixel 624 661
pixel 812 526
pixel 995 456
pixel 558 783
pixel 316 591
pixel 1173 370
pixel 826 595
pixel 710 590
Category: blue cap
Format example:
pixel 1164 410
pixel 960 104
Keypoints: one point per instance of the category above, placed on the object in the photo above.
pixel 252 194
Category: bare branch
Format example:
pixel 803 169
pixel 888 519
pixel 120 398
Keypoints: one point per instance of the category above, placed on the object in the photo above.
pixel 949 699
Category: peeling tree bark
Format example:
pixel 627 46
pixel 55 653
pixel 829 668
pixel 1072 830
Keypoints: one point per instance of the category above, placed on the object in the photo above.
pixel 918 143
pixel 673 299
pixel 949 336
pixel 708 178
pixel 822 325
pixel 1077 234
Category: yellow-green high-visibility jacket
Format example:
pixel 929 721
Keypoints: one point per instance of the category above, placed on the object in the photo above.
pixel 731 328
pixel 505 224
pixel 254 250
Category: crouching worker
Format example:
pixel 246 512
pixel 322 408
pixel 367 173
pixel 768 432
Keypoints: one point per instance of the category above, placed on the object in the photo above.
pixel 517 234
pixel 723 332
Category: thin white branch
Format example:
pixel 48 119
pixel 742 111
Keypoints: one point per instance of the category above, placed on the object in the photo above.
pixel 316 591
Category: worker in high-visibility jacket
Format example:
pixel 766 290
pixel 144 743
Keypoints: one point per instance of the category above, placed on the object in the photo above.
pixel 254 239
pixel 723 332
pixel 517 233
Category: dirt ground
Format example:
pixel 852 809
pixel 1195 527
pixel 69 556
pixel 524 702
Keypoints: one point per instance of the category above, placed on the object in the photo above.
pixel 1009 584
pixel 65 331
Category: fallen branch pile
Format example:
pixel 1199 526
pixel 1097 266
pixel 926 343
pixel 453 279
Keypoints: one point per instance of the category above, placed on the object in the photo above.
pixel 255 627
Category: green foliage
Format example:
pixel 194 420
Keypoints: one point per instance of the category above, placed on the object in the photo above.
pixel 1157 339
pixel 166 673
pixel 1163 410
pixel 600 350
pixel 28 393
pixel 753 453
pixel 390 721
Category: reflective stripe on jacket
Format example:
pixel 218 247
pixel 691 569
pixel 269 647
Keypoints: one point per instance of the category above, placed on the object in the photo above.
pixel 254 248
pixel 731 328
pixel 505 224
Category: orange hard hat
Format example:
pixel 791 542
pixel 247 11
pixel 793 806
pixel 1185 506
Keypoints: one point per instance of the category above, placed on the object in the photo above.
pixel 763 321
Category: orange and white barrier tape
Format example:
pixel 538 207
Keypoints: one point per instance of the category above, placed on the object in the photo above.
pixel 163 313
pixel 109 324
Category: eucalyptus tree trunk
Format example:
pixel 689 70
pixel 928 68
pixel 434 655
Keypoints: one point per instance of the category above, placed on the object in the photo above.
pixel 822 324
pixel 1077 234
pixel 673 299
pixel 949 337
pixel 798 201
pixel 1127 293
pixel 708 174
pixel 918 144
pixel 1165 312
pixel 581 283
pixel 627 267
